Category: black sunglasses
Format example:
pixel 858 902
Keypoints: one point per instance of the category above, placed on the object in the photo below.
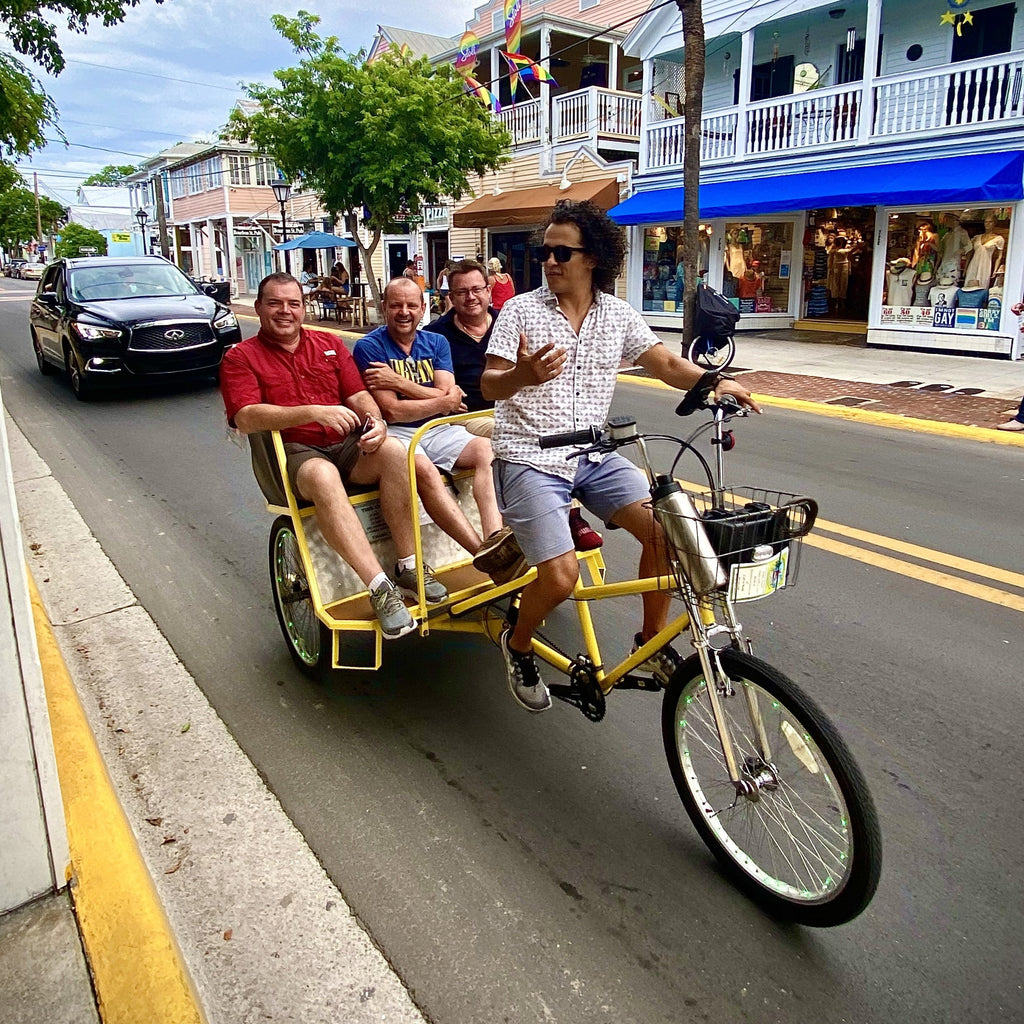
pixel 562 253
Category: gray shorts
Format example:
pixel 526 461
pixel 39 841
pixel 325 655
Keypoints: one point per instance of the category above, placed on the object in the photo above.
pixel 536 504
pixel 442 445
pixel 342 455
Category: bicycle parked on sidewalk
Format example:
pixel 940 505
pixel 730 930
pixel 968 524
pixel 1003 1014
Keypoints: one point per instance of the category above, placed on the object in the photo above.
pixel 763 775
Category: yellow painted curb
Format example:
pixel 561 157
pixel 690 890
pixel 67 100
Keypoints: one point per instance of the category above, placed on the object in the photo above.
pixel 138 972
pixel 878 419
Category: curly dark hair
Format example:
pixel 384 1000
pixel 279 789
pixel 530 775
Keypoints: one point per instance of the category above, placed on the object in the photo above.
pixel 603 240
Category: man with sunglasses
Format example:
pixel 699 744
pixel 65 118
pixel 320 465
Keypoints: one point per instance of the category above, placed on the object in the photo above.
pixel 552 365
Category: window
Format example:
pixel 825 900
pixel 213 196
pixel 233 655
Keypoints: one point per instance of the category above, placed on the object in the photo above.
pixel 990 33
pixel 177 184
pixel 585 5
pixel 771 79
pixel 266 172
pixel 239 170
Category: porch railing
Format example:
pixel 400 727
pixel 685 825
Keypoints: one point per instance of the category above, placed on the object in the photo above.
pixel 972 93
pixel 522 121
pixel 594 112
pixel 951 99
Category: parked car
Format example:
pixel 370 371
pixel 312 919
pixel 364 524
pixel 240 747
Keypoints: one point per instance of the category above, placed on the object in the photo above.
pixel 107 320
pixel 31 271
pixel 10 270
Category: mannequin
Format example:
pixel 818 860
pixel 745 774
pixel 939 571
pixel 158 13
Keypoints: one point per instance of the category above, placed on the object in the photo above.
pixel 944 293
pixel 954 244
pixel 749 285
pixel 988 253
pixel 926 247
pixel 900 283
pixel 922 287
pixel 839 272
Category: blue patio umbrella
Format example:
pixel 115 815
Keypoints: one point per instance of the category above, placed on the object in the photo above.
pixel 317 240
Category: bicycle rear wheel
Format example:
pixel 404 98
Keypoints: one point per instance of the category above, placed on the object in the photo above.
pixel 806 843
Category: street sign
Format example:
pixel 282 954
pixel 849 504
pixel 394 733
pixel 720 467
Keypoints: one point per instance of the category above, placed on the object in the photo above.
pixel 87 250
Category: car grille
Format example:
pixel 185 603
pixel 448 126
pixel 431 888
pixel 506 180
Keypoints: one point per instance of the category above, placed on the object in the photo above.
pixel 170 337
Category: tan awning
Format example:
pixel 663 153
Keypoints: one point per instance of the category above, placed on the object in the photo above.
pixel 532 205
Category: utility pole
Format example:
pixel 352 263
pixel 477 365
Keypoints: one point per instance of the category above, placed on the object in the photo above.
pixel 693 109
pixel 161 218
pixel 39 219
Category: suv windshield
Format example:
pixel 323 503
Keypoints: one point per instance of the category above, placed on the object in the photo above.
pixel 121 281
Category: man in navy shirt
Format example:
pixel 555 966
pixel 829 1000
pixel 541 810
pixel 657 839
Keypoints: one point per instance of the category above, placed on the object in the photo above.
pixel 409 372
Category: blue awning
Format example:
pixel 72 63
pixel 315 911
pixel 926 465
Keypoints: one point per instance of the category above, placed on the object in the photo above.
pixel 988 178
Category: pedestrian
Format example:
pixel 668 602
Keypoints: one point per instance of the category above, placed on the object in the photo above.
pixel 443 287
pixel 305 384
pixel 1017 423
pixel 502 286
pixel 552 365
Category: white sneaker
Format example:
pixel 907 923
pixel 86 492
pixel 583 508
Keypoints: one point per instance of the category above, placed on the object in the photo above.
pixel 1013 424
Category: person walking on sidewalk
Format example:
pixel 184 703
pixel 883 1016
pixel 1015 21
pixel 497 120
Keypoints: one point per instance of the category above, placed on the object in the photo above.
pixel 305 384
pixel 552 365
pixel 1017 423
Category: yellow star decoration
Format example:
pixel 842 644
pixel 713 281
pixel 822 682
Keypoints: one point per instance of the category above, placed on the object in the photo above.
pixel 948 18
pixel 968 18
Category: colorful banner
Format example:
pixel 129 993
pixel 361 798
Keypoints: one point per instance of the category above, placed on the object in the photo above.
pixel 469 44
pixel 483 94
pixel 513 36
pixel 527 69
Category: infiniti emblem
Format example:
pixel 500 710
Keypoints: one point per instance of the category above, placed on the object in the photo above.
pixel 174 335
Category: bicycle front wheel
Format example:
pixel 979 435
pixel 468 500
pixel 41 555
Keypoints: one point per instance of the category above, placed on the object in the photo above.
pixel 712 353
pixel 804 841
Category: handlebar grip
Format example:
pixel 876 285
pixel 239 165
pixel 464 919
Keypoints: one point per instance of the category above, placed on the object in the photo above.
pixel 591 435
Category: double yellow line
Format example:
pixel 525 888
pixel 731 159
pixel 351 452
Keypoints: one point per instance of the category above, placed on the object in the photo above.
pixel 919 564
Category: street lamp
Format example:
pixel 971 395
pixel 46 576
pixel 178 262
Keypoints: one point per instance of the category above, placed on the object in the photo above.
pixel 282 190
pixel 142 217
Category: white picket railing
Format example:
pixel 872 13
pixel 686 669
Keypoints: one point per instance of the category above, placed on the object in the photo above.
pixel 522 121
pixel 952 99
pixel 594 112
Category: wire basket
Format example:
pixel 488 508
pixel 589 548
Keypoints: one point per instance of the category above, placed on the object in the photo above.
pixel 755 540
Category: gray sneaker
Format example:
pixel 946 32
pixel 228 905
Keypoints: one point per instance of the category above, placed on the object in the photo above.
pixel 661 664
pixel 388 606
pixel 433 589
pixel 524 680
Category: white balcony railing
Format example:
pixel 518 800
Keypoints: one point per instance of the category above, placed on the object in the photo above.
pixel 596 113
pixel 522 121
pixel 951 100
pixel 975 93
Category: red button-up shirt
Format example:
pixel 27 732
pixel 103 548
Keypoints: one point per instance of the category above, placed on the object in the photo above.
pixel 321 371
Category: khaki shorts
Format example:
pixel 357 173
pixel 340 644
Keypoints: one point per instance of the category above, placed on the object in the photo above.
pixel 342 456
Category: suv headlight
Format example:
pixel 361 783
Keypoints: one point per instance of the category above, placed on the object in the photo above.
pixel 91 333
pixel 225 321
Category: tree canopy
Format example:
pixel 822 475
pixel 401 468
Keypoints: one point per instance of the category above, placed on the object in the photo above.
pixel 18 216
pixel 73 237
pixel 112 174
pixel 384 137
pixel 31 26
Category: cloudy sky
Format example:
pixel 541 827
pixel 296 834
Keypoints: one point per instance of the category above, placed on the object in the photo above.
pixel 170 73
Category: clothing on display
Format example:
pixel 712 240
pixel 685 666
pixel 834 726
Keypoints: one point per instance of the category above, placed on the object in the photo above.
pixel 988 253
pixel 972 298
pixel 952 246
pixel 900 284
pixel 943 295
pixel 817 301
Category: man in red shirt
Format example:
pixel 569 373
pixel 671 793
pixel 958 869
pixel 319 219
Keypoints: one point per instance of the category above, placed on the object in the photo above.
pixel 306 384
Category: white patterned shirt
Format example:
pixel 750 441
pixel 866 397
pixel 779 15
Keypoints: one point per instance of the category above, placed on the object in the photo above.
pixel 581 395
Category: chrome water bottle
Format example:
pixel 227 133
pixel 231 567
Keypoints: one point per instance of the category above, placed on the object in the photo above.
pixel 685 532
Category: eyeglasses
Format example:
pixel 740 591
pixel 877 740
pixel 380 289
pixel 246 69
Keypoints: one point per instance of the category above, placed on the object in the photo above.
pixel 562 253
pixel 464 293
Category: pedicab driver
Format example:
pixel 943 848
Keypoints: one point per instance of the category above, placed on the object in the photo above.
pixel 305 384
pixel 551 367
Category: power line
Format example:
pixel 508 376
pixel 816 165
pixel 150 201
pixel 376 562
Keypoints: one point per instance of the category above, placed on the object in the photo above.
pixel 151 74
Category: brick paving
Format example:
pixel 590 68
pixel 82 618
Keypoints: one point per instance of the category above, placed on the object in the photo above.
pixel 970 410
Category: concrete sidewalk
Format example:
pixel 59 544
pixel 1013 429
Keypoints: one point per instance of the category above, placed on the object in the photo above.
pixel 244 925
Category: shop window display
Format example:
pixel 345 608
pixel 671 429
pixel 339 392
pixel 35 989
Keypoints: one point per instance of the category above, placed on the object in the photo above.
pixel 837 263
pixel 758 260
pixel 663 267
pixel 945 269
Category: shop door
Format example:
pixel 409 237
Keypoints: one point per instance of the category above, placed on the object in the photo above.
pixel 398 257
pixel 838 254
pixel 437 256
pixel 514 249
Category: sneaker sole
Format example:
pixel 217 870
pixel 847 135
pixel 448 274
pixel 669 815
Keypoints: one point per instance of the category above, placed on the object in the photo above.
pixel 402 632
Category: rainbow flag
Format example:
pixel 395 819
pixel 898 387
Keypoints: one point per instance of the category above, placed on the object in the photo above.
pixel 513 36
pixel 482 93
pixel 527 69
pixel 468 46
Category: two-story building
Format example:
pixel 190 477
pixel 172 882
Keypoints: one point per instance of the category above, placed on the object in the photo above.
pixel 861 168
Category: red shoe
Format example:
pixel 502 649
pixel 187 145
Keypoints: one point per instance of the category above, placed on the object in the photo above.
pixel 584 536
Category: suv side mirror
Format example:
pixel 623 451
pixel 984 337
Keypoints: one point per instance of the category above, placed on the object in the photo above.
pixel 47 298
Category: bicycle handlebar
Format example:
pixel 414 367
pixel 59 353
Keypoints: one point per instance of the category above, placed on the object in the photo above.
pixel 589 435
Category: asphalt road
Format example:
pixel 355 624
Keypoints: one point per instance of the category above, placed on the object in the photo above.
pixel 519 868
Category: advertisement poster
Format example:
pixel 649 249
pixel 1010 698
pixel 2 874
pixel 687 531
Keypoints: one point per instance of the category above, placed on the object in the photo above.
pixel 967 319
pixel 944 316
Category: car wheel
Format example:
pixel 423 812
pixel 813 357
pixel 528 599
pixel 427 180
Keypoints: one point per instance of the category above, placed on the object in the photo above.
pixel 44 367
pixel 81 388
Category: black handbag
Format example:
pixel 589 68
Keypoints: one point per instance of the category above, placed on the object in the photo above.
pixel 716 316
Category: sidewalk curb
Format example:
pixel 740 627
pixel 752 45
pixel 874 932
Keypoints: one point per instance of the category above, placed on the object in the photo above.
pixel 878 419
pixel 137 969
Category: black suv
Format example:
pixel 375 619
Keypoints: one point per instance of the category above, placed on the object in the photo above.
pixel 111 319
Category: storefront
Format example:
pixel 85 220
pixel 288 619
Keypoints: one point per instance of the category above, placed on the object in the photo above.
pixel 872 267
